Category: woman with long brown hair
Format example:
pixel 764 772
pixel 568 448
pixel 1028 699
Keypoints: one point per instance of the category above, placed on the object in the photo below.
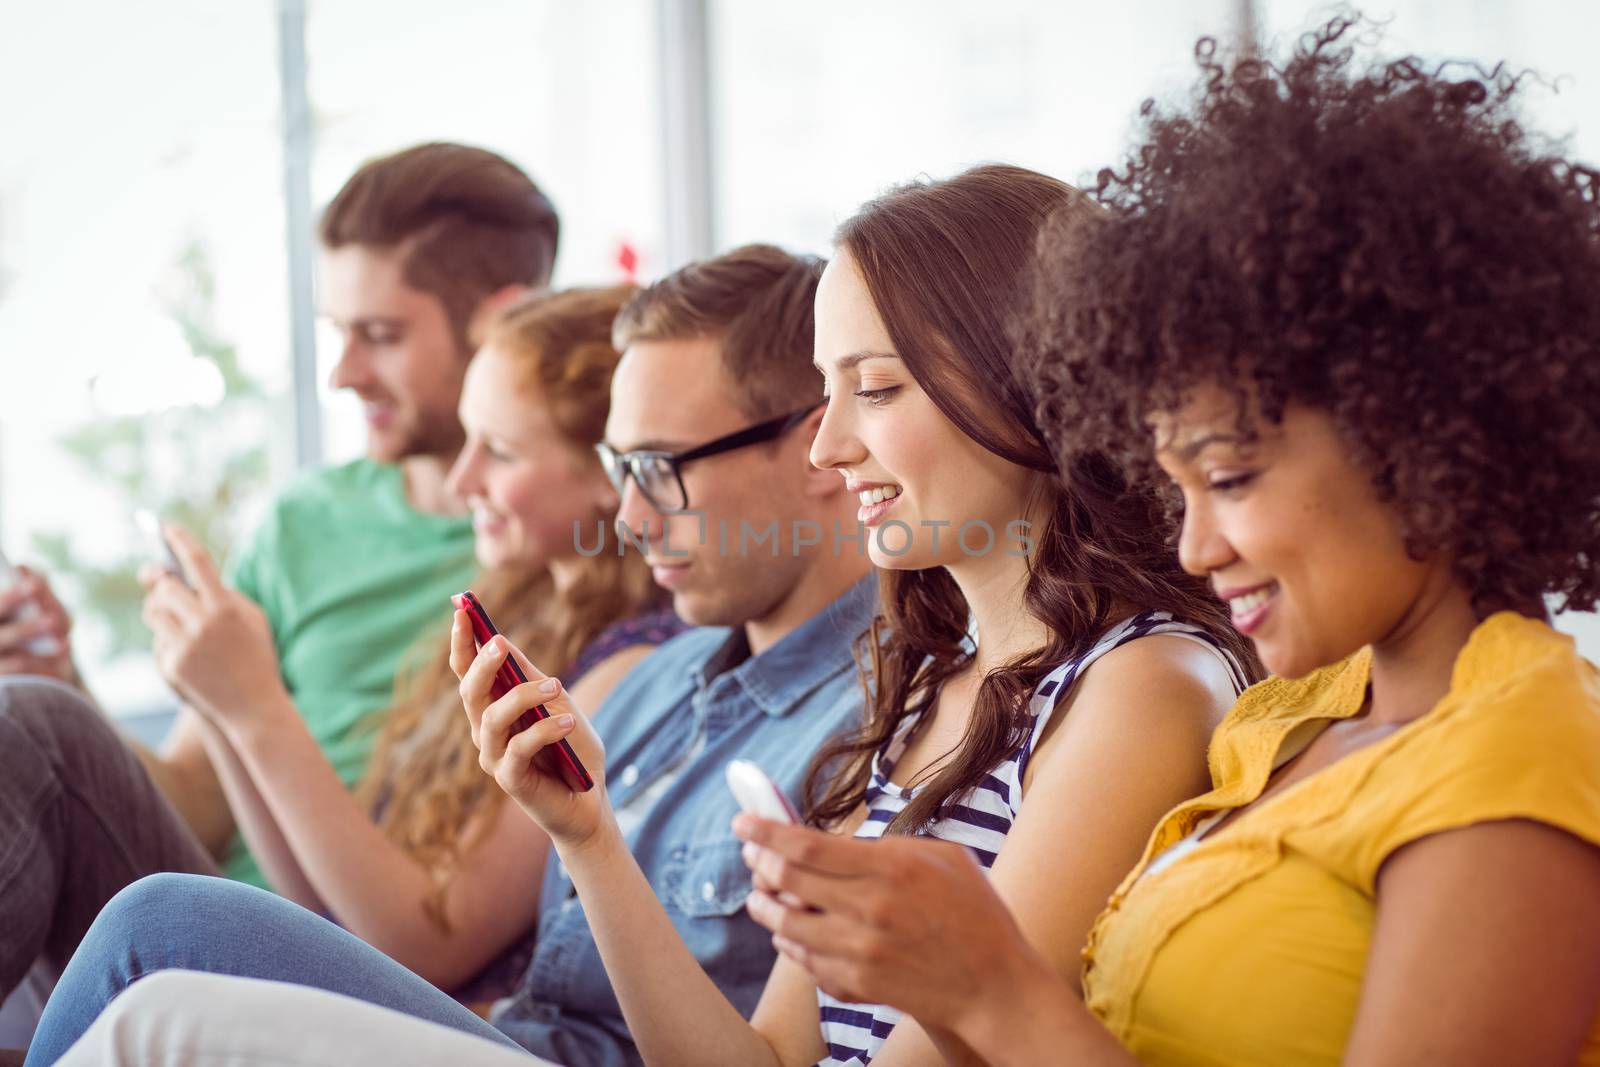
pixel 1041 682
pixel 425 862
pixel 1348 306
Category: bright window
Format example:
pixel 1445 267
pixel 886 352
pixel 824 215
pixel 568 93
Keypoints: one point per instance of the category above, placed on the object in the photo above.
pixel 566 91
pixel 820 106
pixel 142 252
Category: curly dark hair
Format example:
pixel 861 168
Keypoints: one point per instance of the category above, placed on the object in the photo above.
pixel 1385 242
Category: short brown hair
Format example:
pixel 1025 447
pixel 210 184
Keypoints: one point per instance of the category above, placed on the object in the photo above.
pixel 757 300
pixel 467 222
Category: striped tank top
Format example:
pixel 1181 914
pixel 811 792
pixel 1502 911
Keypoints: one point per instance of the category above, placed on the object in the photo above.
pixel 854 1033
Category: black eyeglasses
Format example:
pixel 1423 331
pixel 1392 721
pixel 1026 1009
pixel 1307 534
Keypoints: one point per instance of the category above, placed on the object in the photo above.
pixel 659 475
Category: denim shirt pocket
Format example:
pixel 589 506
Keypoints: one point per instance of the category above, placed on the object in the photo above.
pixel 706 881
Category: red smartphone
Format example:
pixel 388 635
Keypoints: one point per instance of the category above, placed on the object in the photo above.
pixel 508 678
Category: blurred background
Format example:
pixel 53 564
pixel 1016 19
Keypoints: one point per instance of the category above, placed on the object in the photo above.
pixel 163 163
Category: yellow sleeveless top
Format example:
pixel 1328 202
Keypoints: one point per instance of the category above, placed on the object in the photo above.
pixel 1250 948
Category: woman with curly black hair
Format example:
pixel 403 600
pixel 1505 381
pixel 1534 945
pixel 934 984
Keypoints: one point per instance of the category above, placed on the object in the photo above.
pixel 1354 315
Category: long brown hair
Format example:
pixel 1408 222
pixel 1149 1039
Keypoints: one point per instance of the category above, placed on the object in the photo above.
pixel 945 263
pixel 437 802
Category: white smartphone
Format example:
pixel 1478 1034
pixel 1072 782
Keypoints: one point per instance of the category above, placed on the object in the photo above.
pixel 758 794
pixel 43 645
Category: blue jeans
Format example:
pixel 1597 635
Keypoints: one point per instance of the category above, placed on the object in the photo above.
pixel 191 922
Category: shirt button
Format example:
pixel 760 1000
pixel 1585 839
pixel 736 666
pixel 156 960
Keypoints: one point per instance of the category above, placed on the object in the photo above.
pixel 630 774
pixel 708 891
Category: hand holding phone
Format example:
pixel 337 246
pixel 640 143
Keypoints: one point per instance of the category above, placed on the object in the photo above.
pixel 508 678
pixel 758 794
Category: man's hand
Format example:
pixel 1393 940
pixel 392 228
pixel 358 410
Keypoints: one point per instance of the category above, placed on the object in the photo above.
pixel 40 643
pixel 212 644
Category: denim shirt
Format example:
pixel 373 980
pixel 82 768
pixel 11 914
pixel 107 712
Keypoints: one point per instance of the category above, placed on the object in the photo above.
pixel 700 697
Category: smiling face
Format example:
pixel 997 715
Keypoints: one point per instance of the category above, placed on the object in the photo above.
pixel 526 482
pixel 399 353
pixel 1290 531
pixel 895 448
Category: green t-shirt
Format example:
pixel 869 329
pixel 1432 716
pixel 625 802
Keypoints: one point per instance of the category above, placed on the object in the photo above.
pixel 350 577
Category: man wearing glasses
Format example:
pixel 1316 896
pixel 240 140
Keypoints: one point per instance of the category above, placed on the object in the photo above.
pixel 659 478
pixel 713 410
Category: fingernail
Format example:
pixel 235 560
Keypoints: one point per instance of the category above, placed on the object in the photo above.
pixel 749 854
pixel 549 686
pixel 564 721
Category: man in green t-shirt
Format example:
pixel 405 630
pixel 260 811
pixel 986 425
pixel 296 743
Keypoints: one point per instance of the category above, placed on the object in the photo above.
pixel 351 566
pixel 354 563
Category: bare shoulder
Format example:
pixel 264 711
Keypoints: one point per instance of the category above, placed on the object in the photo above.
pixel 1486 948
pixel 1160 696
pixel 1157 680
pixel 1514 856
